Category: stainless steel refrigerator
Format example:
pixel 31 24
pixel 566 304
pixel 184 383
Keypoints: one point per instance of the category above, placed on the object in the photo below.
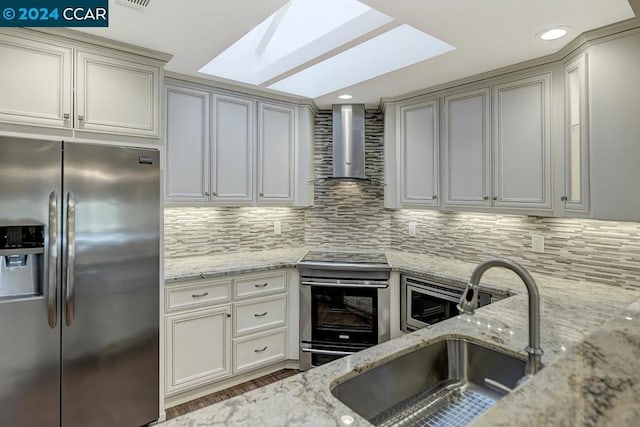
pixel 79 284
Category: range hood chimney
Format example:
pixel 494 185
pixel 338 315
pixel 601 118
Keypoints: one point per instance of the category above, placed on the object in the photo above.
pixel 348 142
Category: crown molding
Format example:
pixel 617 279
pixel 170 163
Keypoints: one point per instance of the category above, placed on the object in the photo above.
pixel 232 89
pixel 68 35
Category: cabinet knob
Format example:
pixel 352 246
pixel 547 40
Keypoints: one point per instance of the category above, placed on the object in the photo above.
pixel 261 194
pixel 80 118
pixel 206 193
pixel 564 198
pixel 485 198
pixel 495 197
pixel 434 197
pixel 65 116
pixel 228 314
pixel 214 194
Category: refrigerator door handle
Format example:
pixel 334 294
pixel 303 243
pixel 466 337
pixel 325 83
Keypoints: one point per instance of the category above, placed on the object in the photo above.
pixel 71 258
pixel 51 260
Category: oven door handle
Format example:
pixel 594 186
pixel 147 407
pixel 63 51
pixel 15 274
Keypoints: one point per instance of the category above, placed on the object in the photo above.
pixel 346 285
pixel 327 352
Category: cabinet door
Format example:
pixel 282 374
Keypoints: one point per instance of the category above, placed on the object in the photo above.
pixel 466 149
pixel 198 347
pixel 36 83
pixel 522 143
pixel 576 181
pixel 187 169
pixel 117 96
pixel 232 150
pixel 276 145
pixel 419 147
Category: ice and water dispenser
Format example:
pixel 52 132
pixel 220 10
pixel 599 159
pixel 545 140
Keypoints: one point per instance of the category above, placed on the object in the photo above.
pixel 21 261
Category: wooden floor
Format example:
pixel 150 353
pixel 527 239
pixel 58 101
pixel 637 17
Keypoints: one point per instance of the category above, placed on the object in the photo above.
pixel 228 393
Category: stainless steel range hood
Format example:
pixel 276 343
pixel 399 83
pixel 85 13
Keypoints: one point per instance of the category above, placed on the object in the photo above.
pixel 348 142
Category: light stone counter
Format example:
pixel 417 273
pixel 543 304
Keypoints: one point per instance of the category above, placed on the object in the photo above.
pixel 196 267
pixel 585 382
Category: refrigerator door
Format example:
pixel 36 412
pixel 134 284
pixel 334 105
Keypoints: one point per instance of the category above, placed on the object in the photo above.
pixel 30 178
pixel 110 341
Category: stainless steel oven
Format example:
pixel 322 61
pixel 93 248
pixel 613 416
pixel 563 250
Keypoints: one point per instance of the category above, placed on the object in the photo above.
pixel 424 302
pixel 344 305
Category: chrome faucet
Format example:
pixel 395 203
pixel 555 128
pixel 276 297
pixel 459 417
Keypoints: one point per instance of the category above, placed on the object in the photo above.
pixel 469 302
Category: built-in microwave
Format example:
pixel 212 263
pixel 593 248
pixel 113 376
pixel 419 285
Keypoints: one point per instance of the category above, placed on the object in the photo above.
pixel 425 302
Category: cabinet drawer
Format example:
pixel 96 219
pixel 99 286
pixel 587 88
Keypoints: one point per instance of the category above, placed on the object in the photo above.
pixel 256 315
pixel 197 294
pixel 259 350
pixel 263 284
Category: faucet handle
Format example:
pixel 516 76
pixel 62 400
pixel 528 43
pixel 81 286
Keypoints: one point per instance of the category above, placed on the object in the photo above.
pixel 469 299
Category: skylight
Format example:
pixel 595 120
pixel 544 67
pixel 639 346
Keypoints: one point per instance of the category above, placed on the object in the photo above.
pixel 370 59
pixel 302 31
pixel 298 32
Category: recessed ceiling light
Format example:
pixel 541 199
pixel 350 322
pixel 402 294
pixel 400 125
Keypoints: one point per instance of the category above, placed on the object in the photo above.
pixel 552 34
pixel 345 96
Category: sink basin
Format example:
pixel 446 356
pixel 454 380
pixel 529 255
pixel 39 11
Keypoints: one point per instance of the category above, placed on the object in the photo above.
pixel 447 383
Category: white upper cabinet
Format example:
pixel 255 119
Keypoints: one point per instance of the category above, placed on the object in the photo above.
pixel 116 95
pixel 614 128
pixel 522 143
pixel 232 149
pixel 58 82
pixel 36 83
pixel 418 129
pixel 276 146
pixel 576 181
pixel 187 170
pixel 466 147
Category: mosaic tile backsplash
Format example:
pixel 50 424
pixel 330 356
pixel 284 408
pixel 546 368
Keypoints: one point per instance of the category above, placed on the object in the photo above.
pixel 352 215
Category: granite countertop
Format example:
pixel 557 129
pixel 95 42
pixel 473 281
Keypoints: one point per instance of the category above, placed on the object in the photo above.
pixel 590 335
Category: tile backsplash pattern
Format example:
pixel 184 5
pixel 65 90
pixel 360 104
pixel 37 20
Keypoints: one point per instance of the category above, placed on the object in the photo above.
pixel 347 213
pixel 207 230
pixel 600 251
pixel 352 215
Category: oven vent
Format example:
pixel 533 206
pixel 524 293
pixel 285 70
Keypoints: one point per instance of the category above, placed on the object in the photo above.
pixel 135 4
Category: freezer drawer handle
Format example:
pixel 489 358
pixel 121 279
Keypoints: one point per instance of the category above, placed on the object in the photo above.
pixel 260 350
pixel 71 257
pixel 327 352
pixel 260 286
pixel 204 294
pixel 52 262
pixel 260 315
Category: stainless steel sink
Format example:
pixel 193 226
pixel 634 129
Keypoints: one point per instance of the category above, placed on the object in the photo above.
pixel 447 383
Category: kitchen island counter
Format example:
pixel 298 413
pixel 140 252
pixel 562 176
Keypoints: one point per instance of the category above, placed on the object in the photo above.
pixel 590 335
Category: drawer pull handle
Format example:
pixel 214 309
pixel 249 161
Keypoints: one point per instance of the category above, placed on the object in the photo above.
pixel 199 295
pixel 260 315
pixel 261 286
pixel 260 350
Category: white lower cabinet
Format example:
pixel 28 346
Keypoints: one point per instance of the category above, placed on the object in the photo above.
pixel 259 350
pixel 198 350
pixel 216 328
pixel 257 315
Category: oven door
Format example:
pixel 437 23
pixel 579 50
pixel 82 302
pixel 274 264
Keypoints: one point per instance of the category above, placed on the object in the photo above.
pixel 425 307
pixel 338 318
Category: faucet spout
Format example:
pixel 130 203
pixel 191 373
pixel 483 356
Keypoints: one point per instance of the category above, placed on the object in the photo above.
pixel 469 302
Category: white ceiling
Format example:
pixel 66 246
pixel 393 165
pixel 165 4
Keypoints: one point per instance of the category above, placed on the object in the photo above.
pixel 487 34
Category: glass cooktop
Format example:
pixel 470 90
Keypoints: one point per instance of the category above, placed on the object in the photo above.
pixel 345 257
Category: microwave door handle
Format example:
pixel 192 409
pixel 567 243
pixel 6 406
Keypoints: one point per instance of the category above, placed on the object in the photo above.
pixel 445 296
pixel 71 258
pixel 51 262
